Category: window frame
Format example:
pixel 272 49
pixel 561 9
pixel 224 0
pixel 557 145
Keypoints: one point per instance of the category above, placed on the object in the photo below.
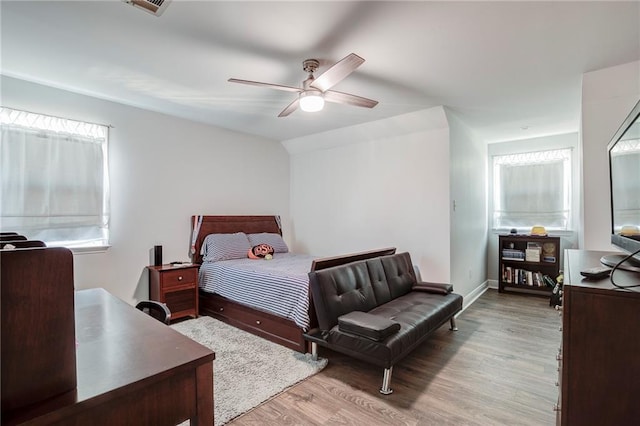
pixel 59 131
pixel 533 158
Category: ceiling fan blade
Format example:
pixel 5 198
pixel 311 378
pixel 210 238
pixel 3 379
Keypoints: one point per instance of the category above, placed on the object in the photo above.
pixel 272 86
pixel 337 72
pixel 290 108
pixel 346 98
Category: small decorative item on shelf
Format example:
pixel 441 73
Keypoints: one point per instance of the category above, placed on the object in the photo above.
pixel 532 255
pixel 533 252
pixel 539 231
pixel 548 252
pixel 556 294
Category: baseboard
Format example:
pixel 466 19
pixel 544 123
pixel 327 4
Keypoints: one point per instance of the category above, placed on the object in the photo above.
pixel 493 284
pixel 470 298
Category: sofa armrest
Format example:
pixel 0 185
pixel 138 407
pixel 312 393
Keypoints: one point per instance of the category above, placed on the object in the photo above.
pixel 367 325
pixel 437 288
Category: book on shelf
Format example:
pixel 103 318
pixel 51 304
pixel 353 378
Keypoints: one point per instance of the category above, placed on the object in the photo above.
pixel 520 276
pixel 529 278
pixel 512 254
pixel 550 282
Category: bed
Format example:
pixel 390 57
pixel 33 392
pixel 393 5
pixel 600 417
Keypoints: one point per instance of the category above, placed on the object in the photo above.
pixel 246 304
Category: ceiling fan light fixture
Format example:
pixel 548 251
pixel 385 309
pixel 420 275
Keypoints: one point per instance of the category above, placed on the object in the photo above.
pixel 316 91
pixel 311 101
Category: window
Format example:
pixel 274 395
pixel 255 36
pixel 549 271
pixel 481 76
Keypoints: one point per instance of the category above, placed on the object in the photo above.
pixel 54 179
pixel 532 189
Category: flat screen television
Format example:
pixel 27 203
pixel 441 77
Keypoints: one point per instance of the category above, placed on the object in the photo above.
pixel 624 180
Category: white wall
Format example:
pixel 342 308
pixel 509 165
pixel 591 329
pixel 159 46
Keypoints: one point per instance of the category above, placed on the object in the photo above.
pixel 162 171
pixel 375 185
pixel 608 96
pixel 568 239
pixel 468 160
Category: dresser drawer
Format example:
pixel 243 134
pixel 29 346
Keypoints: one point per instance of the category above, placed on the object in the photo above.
pixel 262 323
pixel 179 277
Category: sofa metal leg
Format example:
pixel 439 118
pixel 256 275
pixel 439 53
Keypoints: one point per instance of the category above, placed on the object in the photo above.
pixel 314 351
pixel 386 381
pixel 453 327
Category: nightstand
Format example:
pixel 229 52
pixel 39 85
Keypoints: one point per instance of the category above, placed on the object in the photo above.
pixel 177 286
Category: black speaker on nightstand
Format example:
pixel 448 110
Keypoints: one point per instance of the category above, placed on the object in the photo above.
pixel 157 255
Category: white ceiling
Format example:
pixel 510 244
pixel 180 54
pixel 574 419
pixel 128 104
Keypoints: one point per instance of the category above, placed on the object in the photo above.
pixel 501 66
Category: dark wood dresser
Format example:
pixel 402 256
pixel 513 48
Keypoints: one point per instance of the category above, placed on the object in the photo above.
pixel 599 358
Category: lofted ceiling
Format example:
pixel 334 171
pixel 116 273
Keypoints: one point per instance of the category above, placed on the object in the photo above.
pixel 510 70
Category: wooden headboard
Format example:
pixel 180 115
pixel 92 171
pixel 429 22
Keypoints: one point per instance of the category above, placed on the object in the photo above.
pixel 229 225
pixel 256 224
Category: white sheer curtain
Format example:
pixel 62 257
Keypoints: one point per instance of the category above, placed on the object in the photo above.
pixel 54 179
pixel 532 189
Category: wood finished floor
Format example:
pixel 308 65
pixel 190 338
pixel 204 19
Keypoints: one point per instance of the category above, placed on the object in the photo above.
pixel 499 368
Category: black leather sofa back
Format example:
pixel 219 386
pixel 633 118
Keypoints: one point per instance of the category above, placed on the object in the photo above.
pixel 361 286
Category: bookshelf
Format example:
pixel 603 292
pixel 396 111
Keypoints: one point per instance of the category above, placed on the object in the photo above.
pixel 528 263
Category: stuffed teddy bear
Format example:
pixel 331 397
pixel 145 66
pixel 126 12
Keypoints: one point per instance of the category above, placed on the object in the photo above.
pixel 261 251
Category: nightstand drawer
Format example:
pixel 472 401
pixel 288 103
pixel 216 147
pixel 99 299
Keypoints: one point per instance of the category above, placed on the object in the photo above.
pixel 179 277
pixel 180 301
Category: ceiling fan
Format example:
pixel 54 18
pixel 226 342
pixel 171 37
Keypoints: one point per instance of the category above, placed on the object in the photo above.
pixel 315 91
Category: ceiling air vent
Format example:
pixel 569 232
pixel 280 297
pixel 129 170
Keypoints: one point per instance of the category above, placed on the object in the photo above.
pixel 155 7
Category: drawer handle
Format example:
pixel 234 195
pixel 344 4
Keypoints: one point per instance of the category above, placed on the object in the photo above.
pixel 180 278
pixel 221 309
pixel 258 322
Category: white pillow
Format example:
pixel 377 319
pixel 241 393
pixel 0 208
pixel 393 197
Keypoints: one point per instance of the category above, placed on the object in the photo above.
pixel 225 247
pixel 274 240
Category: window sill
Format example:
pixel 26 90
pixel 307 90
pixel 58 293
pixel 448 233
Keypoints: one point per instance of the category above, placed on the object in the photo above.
pixel 551 232
pixel 89 250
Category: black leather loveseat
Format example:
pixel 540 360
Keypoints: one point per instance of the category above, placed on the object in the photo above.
pixel 375 310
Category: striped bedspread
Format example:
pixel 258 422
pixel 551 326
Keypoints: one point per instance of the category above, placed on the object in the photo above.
pixel 279 285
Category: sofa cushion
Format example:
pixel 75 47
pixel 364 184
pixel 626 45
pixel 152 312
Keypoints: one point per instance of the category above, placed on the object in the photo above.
pixel 339 290
pixel 399 272
pixel 372 327
pixel 378 280
pixel 419 314
pixel 421 311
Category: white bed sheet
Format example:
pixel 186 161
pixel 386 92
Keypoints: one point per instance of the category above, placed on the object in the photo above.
pixel 279 285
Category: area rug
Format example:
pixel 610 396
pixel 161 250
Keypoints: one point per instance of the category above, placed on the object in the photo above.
pixel 248 370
